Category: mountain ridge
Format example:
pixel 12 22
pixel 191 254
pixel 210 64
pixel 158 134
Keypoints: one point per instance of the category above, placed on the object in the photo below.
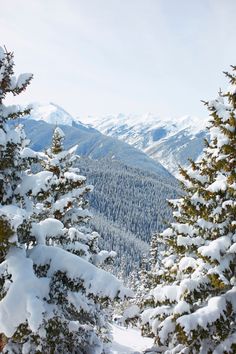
pixel 171 142
pixel 90 141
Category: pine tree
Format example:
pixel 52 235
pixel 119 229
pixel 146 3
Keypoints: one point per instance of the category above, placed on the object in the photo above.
pixel 66 200
pixel 66 203
pixel 53 297
pixel 192 306
pixel 15 158
pixel 12 144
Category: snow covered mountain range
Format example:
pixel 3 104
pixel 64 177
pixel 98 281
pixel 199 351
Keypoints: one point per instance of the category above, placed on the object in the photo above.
pixel 130 189
pixel 169 141
pixel 91 143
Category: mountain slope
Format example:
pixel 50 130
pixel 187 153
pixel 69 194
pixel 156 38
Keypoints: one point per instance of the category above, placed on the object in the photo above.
pixel 129 198
pixel 171 142
pixel 90 141
pixel 134 199
pixel 130 205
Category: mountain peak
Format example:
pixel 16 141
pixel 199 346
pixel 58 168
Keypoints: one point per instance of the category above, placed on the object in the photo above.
pixel 51 113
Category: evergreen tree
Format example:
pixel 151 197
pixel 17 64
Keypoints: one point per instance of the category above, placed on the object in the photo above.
pixel 153 250
pixel 15 157
pixel 67 203
pixel 64 205
pixel 53 297
pixel 12 144
pixel 192 305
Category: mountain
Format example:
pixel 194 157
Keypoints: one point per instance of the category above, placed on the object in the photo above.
pixel 129 205
pixel 43 119
pixel 130 189
pixel 50 113
pixel 132 198
pixel 170 142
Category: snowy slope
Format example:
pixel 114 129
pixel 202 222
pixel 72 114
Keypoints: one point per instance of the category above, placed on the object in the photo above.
pixel 51 113
pixel 170 142
pixel 129 341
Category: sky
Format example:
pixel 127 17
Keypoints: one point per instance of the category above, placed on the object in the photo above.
pixel 99 57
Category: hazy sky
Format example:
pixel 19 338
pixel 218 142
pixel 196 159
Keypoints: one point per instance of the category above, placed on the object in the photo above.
pixel 131 56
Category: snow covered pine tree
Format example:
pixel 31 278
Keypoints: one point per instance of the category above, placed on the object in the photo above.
pixel 52 293
pixel 12 213
pixel 66 206
pixel 192 305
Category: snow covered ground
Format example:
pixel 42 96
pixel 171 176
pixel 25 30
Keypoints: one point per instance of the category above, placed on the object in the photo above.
pixel 129 341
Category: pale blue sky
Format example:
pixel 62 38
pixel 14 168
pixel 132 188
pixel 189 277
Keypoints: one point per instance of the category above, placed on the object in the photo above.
pixel 132 56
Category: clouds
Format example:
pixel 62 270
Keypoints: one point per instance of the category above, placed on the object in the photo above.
pixel 103 56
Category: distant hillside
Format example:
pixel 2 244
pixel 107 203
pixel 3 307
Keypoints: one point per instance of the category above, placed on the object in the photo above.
pixel 132 198
pixel 171 142
pixel 129 206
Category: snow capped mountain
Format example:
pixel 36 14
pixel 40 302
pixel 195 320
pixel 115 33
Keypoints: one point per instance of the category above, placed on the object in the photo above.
pixel 129 198
pixel 41 122
pixel 51 113
pixel 171 142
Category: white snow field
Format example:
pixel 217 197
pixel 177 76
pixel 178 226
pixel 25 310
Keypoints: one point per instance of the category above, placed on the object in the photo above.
pixel 129 341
